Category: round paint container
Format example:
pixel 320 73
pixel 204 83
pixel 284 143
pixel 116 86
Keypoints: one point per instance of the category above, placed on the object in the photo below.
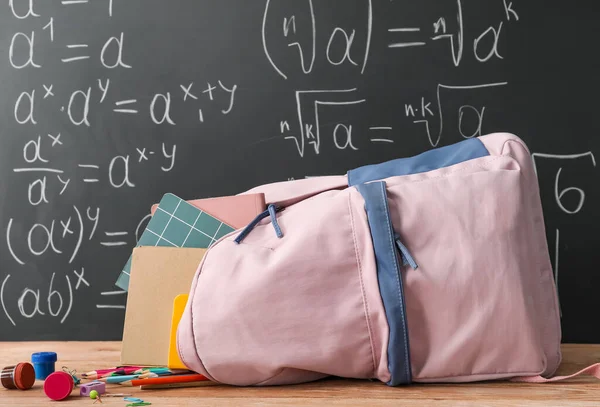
pixel 43 363
pixel 20 376
pixel 58 385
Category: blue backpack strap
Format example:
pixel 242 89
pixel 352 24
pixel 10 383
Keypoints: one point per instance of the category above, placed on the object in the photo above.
pixel 390 280
pixel 427 161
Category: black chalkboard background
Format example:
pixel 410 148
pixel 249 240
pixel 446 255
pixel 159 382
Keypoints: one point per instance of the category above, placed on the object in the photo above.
pixel 542 65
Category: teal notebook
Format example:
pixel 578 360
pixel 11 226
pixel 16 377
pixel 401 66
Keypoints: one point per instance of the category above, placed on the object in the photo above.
pixel 177 223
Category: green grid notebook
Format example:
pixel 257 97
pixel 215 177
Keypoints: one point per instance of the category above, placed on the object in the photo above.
pixel 176 223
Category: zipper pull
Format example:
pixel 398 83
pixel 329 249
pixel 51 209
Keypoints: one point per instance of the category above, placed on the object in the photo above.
pixel 273 213
pixel 407 259
pixel 270 211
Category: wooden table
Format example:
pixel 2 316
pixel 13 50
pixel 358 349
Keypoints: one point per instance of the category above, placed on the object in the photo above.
pixel 85 356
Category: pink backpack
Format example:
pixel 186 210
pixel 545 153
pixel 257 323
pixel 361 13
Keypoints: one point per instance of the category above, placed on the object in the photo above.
pixel 433 268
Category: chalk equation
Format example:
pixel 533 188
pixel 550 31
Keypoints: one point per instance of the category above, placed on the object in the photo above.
pixel 288 28
pixel 344 45
pixel 295 33
pixel 30 240
pixel 65 236
pixel 158 109
pixel 115 171
pixel 467 120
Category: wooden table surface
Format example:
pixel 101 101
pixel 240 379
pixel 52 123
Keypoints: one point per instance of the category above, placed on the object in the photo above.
pixel 85 356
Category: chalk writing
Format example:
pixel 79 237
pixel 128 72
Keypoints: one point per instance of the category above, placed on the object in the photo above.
pixel 30 303
pixel 187 92
pixel 80 279
pixel 64 184
pixel 48 91
pixel 103 88
pixel 171 157
pixel 30 12
pixel 86 107
pixel 112 294
pixel 380 129
pixel 232 96
pixel 30 39
pixel 30 96
pixel 125 102
pixel 51 169
pixel 118 42
pixel 310 130
pixel 140 226
pixel 434 138
pixel 78 57
pixel 166 106
pixel 50 26
pixel 408 43
pixel 116 235
pixel 41 183
pixel 340 40
pixel 94 219
pixel 347 40
pixel 55 139
pixel 117 162
pixel 482 53
pixel 36 151
pixel 559 192
pixel 44 237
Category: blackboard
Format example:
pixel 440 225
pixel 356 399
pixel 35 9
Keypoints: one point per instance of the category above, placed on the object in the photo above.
pixel 108 104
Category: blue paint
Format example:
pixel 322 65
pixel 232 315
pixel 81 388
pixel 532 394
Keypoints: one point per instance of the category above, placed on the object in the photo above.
pixel 43 364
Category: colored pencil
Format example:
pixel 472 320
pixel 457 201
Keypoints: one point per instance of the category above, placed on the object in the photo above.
pixel 124 378
pixel 165 379
pixel 162 370
pixel 200 383
pixel 95 374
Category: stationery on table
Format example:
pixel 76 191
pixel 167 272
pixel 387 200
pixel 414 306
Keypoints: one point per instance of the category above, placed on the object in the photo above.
pixel 148 378
pixel 176 379
pixel 201 383
pixel 124 378
pixel 95 374
pixel 162 370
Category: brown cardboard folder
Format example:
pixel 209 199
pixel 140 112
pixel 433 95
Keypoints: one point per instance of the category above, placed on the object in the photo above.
pixel 158 275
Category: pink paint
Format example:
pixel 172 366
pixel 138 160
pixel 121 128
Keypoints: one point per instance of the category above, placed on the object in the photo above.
pixel 59 385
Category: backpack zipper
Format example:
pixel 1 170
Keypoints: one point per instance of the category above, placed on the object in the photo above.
pixel 270 211
pixel 407 258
